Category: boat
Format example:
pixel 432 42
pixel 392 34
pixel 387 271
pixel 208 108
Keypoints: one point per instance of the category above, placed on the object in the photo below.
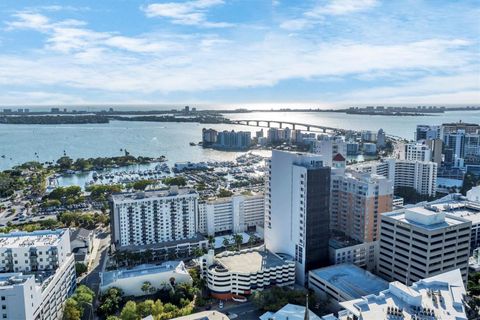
pixel 192 144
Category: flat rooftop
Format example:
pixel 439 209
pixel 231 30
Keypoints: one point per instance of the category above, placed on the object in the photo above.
pixel 204 315
pixel 249 261
pixel 422 217
pixel 442 294
pixel 30 239
pixel 151 194
pixel 465 209
pixel 353 280
pixel 290 312
pixel 141 270
pixel 161 245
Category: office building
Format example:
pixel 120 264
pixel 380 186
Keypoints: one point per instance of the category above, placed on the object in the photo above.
pixel 438 297
pixel 352 148
pixel 461 141
pixel 37 274
pixel 231 214
pixel 421 242
pixel 155 219
pixel 239 273
pixel 467 208
pixel 130 281
pixel 421 176
pixel 344 282
pixel 297 209
pixel 357 200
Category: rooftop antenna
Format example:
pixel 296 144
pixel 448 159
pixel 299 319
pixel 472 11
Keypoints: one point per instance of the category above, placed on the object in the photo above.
pixel 307 313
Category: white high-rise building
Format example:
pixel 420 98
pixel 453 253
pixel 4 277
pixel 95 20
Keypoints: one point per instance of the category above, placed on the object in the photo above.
pixel 413 151
pixel 420 175
pixel 232 214
pixel 37 274
pixel 421 242
pixel 153 217
pixel 297 209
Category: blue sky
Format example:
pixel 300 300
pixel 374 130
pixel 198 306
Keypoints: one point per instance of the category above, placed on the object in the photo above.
pixel 240 53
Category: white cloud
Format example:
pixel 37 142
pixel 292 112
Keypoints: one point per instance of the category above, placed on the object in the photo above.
pixel 342 7
pixel 318 13
pixel 191 13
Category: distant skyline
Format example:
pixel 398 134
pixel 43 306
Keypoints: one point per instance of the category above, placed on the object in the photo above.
pixel 239 53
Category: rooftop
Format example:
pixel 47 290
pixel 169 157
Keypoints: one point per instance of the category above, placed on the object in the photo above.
pixel 353 280
pixel 10 279
pixel 30 239
pixel 425 217
pixel 249 261
pixel 438 297
pixel 291 312
pixel 141 270
pixel 204 315
pixel 166 244
pixel 151 194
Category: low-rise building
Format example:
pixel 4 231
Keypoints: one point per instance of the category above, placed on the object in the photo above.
pixel 344 282
pixel 361 254
pixel 81 243
pixel 294 312
pixel 240 273
pixel 159 276
pixel 438 297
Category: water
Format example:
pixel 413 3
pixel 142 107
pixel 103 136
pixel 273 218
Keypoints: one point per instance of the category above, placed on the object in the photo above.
pixel 21 143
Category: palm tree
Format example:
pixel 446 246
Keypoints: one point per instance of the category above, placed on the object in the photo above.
pixel 211 241
pixel 238 239
pixel 226 242
pixel 146 286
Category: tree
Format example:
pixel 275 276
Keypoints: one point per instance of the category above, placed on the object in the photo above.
pixel 65 163
pixel 224 193
pixel 129 311
pixel 72 311
pixel 80 268
pixel 211 241
pixel 226 242
pixel 157 308
pixel 146 287
pixel 238 239
pixel 145 308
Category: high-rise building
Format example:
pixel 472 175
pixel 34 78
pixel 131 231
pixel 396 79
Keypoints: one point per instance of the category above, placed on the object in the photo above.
pixel 152 218
pixel 415 151
pixel 233 140
pixel 297 209
pixel 421 176
pixel 425 132
pixel 381 139
pixel 209 137
pixel 421 242
pixel 232 214
pixel 461 143
pixel 357 200
pixel 37 274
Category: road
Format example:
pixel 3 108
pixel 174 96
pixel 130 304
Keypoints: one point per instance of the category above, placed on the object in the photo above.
pixel 92 279
pixel 244 311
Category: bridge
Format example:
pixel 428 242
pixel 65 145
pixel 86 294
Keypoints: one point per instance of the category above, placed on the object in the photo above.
pixel 284 124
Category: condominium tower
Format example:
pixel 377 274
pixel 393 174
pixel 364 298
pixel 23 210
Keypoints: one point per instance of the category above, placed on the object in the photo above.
pixel 297 209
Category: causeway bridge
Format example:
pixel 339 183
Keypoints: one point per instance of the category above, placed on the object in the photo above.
pixel 292 125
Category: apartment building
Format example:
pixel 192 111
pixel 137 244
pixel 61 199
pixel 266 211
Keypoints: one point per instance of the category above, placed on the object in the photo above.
pixel 297 209
pixel 240 273
pixel 235 214
pixel 357 200
pixel 415 151
pixel 419 175
pixel 421 242
pixel 154 219
pixel 37 274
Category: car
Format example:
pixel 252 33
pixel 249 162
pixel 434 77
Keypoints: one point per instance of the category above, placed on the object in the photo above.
pixel 220 305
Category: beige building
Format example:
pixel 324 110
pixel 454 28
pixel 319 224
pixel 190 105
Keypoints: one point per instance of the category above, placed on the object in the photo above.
pixel 421 242
pixel 357 200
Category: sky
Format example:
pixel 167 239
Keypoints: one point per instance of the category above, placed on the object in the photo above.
pixel 240 53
